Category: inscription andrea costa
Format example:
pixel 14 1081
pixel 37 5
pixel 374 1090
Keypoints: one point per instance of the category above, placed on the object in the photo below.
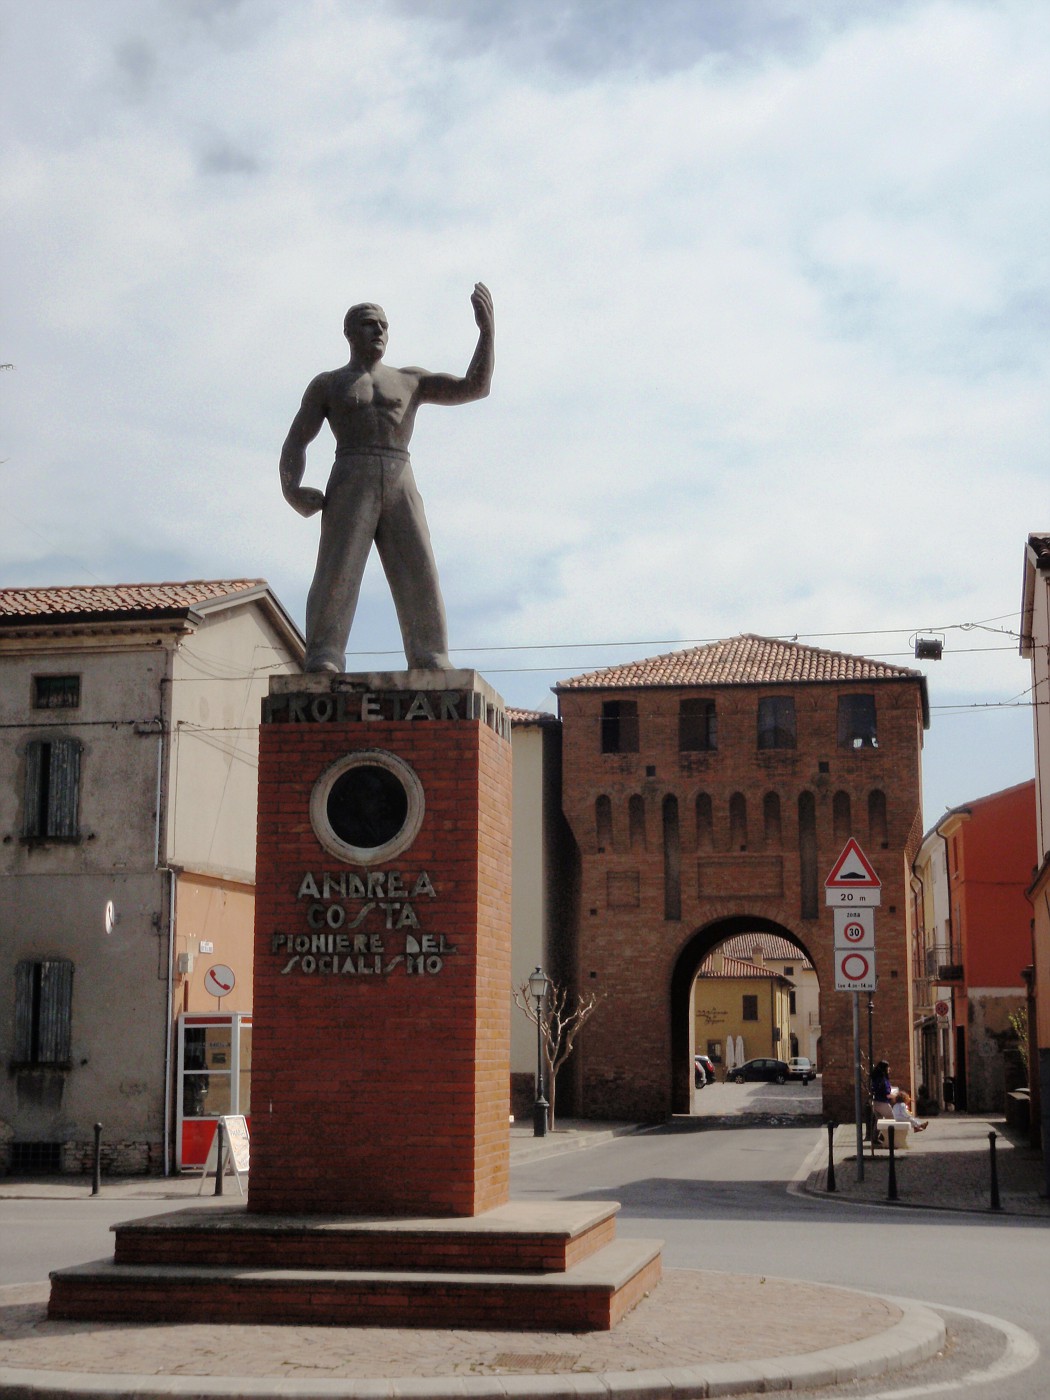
pixel 365 925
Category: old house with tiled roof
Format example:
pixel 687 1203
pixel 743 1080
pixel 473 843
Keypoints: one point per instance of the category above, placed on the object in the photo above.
pixel 796 1029
pixel 128 775
pixel 741 1009
pixel 710 792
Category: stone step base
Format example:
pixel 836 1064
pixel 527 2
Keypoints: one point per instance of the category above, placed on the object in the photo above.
pixel 589 1296
pixel 514 1238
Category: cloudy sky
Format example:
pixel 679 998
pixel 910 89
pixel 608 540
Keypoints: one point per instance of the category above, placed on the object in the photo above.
pixel 772 286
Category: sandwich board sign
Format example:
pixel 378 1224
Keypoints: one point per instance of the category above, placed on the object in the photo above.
pixel 236 1151
pixel 852 883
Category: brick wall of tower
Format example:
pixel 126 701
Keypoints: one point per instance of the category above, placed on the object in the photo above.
pixel 630 941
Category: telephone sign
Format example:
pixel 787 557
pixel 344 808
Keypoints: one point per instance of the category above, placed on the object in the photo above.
pixel 219 980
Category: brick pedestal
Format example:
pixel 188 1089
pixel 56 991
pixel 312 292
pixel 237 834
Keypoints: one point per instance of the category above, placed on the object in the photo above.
pixel 377 1190
pixel 381 1062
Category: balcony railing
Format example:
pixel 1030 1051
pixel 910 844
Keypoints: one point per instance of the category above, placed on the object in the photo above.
pixel 944 963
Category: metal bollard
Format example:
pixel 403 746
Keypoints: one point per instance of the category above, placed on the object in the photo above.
pixel 220 1155
pixel 831 1156
pixel 891 1194
pixel 96 1175
pixel 996 1205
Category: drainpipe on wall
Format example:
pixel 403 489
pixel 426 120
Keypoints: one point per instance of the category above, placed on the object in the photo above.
pixel 162 749
pixel 774 1051
pixel 167 1016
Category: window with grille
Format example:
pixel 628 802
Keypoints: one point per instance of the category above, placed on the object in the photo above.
pixel 43 1011
pixel 52 790
pixel 750 1008
pixel 56 692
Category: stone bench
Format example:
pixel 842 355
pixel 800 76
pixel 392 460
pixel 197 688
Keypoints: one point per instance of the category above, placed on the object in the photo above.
pixel 901 1133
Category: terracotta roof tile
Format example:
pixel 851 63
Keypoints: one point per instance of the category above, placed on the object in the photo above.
pixel 518 716
pixel 771 945
pixel 101 600
pixel 737 967
pixel 743 660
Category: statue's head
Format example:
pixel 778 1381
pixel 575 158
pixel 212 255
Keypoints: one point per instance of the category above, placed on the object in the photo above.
pixel 365 327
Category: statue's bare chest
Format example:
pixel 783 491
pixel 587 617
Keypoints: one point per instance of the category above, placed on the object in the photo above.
pixel 387 393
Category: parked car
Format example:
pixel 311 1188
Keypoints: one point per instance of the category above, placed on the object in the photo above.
pixel 801 1068
pixel 771 1071
pixel 703 1070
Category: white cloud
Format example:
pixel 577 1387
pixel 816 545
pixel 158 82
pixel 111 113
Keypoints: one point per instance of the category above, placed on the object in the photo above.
pixel 772 300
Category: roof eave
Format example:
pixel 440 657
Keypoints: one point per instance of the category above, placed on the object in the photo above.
pixel 261 593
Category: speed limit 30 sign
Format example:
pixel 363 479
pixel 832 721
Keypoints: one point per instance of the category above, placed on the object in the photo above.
pixel 854 928
pixel 854 950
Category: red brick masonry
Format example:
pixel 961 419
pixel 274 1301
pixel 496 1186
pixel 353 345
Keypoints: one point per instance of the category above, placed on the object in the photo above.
pixel 532 1266
pixel 379 1089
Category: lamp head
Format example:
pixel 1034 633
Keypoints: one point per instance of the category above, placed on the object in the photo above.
pixel 539 984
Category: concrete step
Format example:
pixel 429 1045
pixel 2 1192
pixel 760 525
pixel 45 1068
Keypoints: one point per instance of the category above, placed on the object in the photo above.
pixel 513 1238
pixel 589 1296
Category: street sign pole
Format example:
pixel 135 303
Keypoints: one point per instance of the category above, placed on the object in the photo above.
pixel 856 1085
pixel 853 891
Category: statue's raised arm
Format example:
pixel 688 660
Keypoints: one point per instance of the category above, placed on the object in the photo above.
pixel 449 388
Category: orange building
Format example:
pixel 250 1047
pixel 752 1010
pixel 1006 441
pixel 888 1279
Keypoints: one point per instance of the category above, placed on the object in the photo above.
pixel 989 845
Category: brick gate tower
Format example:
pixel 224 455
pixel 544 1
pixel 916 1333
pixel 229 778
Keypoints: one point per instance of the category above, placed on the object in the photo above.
pixel 710 792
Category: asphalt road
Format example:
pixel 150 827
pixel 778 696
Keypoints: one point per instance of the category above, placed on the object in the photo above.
pixel 720 1198
pixel 39 1235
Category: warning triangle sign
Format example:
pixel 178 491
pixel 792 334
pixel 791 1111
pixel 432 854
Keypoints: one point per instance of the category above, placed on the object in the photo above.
pixel 852 870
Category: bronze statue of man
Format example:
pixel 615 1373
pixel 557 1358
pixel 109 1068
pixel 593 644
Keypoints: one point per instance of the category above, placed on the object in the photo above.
pixel 371 494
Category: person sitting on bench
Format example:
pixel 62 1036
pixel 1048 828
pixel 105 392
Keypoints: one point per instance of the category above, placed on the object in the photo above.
pixel 881 1090
pixel 901 1110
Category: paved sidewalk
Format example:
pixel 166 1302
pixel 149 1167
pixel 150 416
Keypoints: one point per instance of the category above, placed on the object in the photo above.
pixel 570 1135
pixel 947 1167
pixel 698 1334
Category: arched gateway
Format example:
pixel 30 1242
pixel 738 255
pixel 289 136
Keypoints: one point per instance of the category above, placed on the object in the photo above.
pixel 685 1016
pixel 712 790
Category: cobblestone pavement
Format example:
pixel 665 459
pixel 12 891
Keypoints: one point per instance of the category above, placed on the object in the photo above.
pixel 693 1319
pixel 947 1167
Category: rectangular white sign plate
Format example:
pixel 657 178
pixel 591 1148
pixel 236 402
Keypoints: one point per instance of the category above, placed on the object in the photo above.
pixel 862 897
pixel 854 928
pixel 854 970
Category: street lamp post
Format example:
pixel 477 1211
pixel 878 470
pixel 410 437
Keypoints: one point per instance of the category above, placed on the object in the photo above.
pixel 539 986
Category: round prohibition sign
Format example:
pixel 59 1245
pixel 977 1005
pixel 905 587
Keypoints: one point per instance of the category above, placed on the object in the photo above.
pixel 853 931
pixel 855 966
